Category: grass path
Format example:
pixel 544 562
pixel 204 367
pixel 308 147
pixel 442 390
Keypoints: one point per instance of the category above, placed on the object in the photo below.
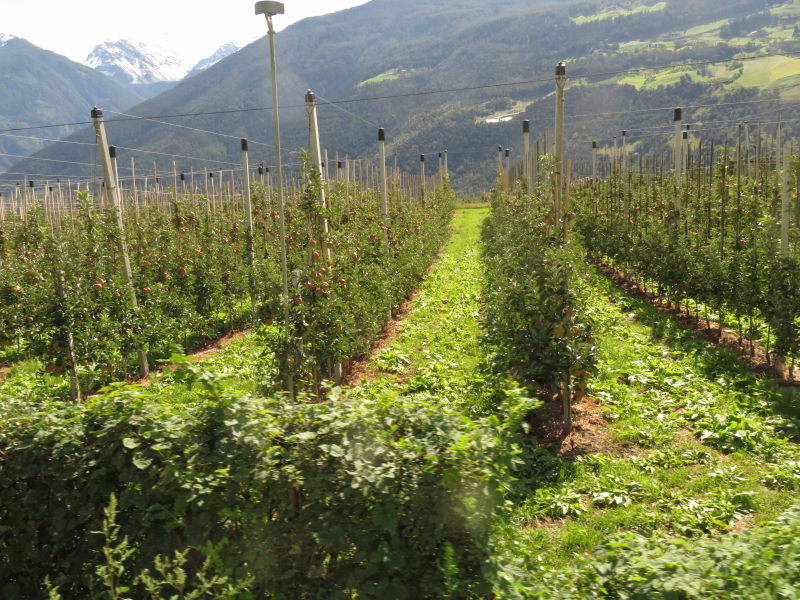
pixel 708 448
pixel 438 348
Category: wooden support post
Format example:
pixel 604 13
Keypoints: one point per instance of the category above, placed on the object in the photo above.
pixel 316 157
pixel 175 192
pixel 507 171
pixel 422 178
pixel 785 198
pixel 594 177
pixel 526 154
pixel 499 161
pixel 624 158
pixel 384 184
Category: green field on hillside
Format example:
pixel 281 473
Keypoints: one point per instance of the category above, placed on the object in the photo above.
pixel 619 12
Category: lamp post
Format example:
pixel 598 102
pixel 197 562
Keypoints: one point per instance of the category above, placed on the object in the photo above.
pixel 270 9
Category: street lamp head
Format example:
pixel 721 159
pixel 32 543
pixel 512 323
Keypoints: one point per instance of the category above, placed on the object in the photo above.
pixel 268 8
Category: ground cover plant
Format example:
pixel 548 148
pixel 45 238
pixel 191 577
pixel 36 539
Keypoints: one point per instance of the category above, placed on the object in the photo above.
pixel 698 446
pixel 389 490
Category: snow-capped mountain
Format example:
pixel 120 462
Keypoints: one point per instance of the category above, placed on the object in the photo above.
pixel 222 52
pixel 61 92
pixel 134 63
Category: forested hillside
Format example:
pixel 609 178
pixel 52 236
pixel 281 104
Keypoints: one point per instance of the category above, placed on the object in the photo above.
pixel 433 75
pixel 41 87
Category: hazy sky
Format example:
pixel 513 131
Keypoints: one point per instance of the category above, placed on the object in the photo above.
pixel 193 29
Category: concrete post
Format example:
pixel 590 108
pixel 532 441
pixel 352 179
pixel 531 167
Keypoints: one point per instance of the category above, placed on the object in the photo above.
pixel 676 151
pixel 110 180
pixel 558 167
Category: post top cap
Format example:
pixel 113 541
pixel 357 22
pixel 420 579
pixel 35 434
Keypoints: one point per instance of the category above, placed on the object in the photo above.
pixel 269 8
pixel 561 68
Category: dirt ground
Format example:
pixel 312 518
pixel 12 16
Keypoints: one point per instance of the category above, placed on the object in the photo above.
pixel 590 430
pixel 357 370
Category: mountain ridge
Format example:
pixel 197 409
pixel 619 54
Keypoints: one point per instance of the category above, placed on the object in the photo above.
pixel 42 87
pixel 398 51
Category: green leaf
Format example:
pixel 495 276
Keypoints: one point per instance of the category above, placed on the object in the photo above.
pixel 141 462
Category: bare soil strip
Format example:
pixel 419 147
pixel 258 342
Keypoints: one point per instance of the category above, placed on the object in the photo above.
pixel 591 432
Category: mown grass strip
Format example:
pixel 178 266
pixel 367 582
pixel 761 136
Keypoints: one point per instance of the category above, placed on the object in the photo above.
pixel 709 447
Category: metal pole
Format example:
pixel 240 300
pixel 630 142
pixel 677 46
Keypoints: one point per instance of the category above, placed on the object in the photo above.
pixel 281 205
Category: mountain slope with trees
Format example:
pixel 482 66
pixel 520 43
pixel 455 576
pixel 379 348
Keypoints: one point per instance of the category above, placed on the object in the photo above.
pixel 42 87
pixel 385 57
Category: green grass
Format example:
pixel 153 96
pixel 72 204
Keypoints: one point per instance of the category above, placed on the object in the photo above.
pixel 438 348
pixel 665 394
pixel 619 12
pixel 706 30
pixel 790 9
pixel 774 72
pixel 651 80
pixel 389 75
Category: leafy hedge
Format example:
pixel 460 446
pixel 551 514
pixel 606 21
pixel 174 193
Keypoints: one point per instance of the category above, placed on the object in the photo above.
pixel 534 315
pixel 376 495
